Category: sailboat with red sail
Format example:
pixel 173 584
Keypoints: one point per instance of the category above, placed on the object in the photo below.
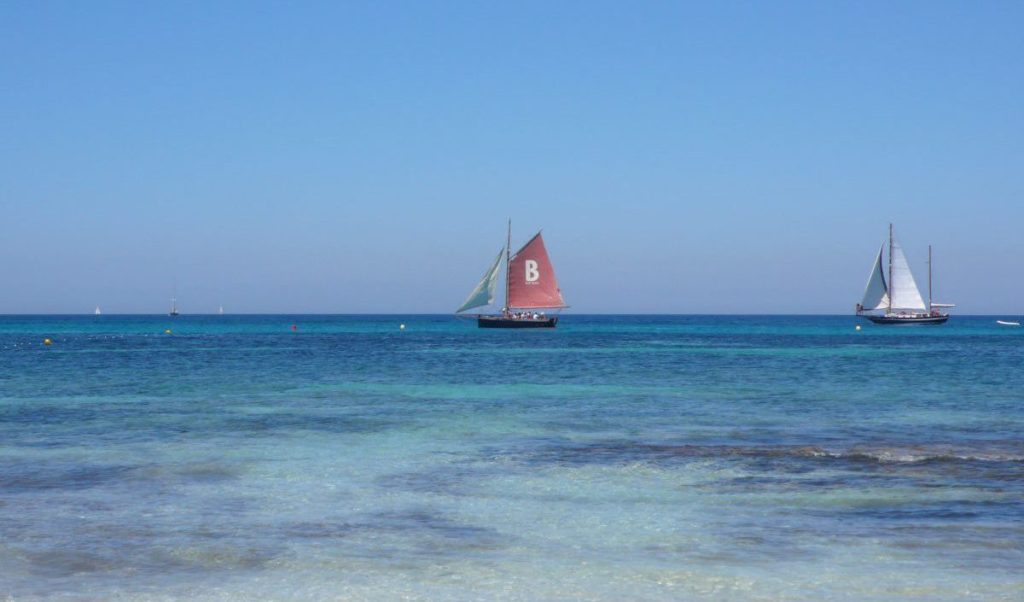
pixel 530 288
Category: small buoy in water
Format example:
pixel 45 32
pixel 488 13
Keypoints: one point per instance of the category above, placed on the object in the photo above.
pixel 168 331
pixel 858 327
pixel 47 342
pixel 294 327
pixel 401 327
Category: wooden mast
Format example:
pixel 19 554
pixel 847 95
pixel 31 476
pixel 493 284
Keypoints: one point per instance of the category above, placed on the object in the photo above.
pixel 508 263
pixel 890 287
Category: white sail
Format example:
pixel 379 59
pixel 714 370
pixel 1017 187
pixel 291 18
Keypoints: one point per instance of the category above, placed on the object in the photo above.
pixel 483 294
pixel 876 293
pixel 903 288
pixel 97 312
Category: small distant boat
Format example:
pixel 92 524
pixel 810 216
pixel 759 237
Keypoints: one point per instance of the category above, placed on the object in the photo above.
pixel 174 307
pixel 530 287
pixel 97 311
pixel 898 296
pixel 1005 323
pixel 220 311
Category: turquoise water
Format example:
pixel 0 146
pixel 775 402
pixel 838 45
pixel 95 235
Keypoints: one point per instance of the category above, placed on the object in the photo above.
pixel 627 457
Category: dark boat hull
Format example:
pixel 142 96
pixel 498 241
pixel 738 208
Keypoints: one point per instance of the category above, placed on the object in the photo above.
pixel 908 319
pixel 502 322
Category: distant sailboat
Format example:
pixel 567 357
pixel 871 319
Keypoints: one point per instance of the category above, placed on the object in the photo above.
pixel 174 307
pixel 220 310
pixel 898 296
pixel 530 286
pixel 97 311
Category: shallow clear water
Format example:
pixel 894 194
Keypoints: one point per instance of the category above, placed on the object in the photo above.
pixel 626 457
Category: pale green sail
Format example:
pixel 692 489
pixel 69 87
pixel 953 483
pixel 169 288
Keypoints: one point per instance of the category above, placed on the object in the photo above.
pixel 483 294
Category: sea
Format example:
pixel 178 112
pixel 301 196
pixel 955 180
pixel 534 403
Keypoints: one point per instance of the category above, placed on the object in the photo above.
pixel 613 458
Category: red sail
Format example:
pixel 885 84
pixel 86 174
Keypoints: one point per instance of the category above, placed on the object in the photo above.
pixel 531 279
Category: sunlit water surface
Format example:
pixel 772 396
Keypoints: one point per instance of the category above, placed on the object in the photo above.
pixel 661 458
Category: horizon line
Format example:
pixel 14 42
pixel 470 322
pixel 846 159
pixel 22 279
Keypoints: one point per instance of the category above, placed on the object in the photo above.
pixel 264 314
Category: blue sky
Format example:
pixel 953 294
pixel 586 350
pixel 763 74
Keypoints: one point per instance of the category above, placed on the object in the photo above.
pixel 728 157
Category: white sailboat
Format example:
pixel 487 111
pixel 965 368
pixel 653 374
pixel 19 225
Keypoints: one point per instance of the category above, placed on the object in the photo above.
pixel 897 296
pixel 97 311
pixel 220 310
pixel 174 307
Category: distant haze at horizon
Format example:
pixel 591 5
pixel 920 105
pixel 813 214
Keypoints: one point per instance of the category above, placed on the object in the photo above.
pixel 714 159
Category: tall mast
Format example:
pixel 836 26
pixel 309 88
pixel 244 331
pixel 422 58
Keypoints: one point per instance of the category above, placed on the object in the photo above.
pixel 508 261
pixel 890 269
pixel 929 279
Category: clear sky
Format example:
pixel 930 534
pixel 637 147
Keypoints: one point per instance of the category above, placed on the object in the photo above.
pixel 734 157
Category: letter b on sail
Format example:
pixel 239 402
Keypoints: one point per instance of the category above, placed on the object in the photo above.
pixel 532 273
pixel 531 279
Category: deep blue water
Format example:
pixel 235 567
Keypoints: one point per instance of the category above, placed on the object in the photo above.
pixel 639 457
